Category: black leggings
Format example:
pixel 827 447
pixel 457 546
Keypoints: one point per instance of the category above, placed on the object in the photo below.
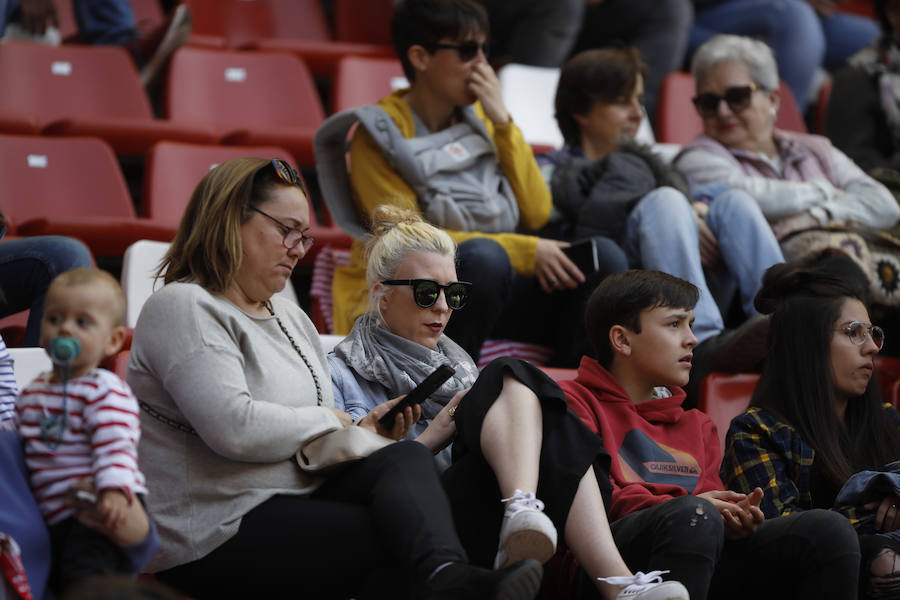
pixel 379 525
pixel 568 449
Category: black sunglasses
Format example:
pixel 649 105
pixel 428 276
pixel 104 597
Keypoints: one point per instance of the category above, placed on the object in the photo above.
pixel 427 291
pixel 737 98
pixel 467 50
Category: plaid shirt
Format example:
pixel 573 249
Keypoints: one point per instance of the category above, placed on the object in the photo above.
pixel 761 451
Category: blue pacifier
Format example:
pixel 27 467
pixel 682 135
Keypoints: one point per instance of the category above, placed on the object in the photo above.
pixel 63 350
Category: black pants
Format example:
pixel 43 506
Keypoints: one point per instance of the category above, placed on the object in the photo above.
pixel 370 531
pixel 506 305
pixel 78 552
pixel 811 554
pixel 569 448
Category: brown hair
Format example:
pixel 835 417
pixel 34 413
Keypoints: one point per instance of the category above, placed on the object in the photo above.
pixel 207 249
pixel 607 76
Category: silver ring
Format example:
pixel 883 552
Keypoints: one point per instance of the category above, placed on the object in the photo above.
pixel 552 280
pixel 894 506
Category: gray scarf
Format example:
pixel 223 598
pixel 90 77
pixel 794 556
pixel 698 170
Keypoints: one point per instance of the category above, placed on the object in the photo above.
pixel 400 364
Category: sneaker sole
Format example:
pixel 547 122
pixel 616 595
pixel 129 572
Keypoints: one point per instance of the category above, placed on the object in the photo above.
pixel 527 543
pixel 523 583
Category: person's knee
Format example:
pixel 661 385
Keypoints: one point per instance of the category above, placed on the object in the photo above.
pixel 830 534
pixel 484 259
pixel 63 254
pixel 735 207
pixel 665 205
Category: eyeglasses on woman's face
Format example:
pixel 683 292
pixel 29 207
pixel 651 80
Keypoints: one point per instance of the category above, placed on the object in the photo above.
pixel 737 98
pixel 427 291
pixel 857 333
pixel 292 235
pixel 467 50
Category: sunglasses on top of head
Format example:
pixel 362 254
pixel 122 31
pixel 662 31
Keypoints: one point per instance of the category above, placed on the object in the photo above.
pixel 285 172
pixel 427 291
pixel 736 97
pixel 467 50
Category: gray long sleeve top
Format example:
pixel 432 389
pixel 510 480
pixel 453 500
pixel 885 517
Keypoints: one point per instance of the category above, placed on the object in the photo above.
pixel 237 380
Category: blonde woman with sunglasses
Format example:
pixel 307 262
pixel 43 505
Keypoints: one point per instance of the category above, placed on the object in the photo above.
pixel 817 415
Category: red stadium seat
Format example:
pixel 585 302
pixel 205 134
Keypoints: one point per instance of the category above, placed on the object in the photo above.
pixel 679 123
pixel 725 396
pixel 248 98
pixel 558 374
pixel 74 187
pixel 297 26
pixel 364 22
pixel 118 362
pixel 85 90
pixel 362 80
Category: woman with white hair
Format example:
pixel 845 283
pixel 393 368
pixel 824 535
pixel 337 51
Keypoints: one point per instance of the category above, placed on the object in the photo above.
pixel 800 181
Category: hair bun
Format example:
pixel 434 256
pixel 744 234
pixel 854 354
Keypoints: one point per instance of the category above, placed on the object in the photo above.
pixel 829 274
pixel 388 216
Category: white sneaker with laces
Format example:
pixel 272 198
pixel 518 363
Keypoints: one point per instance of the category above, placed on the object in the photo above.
pixel 526 531
pixel 647 586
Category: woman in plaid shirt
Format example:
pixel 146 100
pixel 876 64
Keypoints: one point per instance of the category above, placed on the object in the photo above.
pixel 822 349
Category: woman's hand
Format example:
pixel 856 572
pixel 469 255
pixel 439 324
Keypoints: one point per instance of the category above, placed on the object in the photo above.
pixel 484 84
pixel 553 269
pixel 442 429
pixel 133 527
pixel 740 512
pixel 402 422
pixel 886 513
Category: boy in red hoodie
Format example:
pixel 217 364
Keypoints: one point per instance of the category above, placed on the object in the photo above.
pixel 668 505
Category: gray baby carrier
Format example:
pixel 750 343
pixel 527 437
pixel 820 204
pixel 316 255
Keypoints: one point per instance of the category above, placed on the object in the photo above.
pixel 454 173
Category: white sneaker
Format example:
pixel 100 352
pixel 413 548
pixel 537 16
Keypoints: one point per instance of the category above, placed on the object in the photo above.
pixel 526 531
pixel 648 586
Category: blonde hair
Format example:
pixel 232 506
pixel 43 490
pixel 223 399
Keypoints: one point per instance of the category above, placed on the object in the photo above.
pixel 207 249
pixel 95 277
pixel 396 233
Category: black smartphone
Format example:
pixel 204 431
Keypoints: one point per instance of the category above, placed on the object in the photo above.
pixel 418 394
pixel 584 255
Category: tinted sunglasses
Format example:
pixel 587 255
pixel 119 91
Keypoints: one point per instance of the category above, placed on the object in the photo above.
pixel 737 98
pixel 857 333
pixel 427 291
pixel 285 172
pixel 467 50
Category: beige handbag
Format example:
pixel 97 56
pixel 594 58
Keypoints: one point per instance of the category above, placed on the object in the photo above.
pixel 339 448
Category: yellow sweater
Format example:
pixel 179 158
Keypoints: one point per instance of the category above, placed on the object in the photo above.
pixel 375 183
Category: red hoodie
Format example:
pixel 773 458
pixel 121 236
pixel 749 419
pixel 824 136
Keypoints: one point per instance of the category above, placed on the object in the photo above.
pixel 659 451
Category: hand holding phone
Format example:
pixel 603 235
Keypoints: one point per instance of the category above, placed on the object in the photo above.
pixel 584 255
pixel 418 394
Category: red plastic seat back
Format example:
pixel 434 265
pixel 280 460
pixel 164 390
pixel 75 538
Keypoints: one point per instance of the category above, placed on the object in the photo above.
pixel 61 177
pixel 723 396
pixel 70 81
pixel 366 22
pixel 173 170
pixel 679 123
pixel 360 80
pixel 241 90
pixel 242 22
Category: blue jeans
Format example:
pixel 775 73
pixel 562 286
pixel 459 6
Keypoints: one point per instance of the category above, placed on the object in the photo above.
pixel 661 234
pixel 799 38
pixel 27 266
pixel 102 22
pixel 746 242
